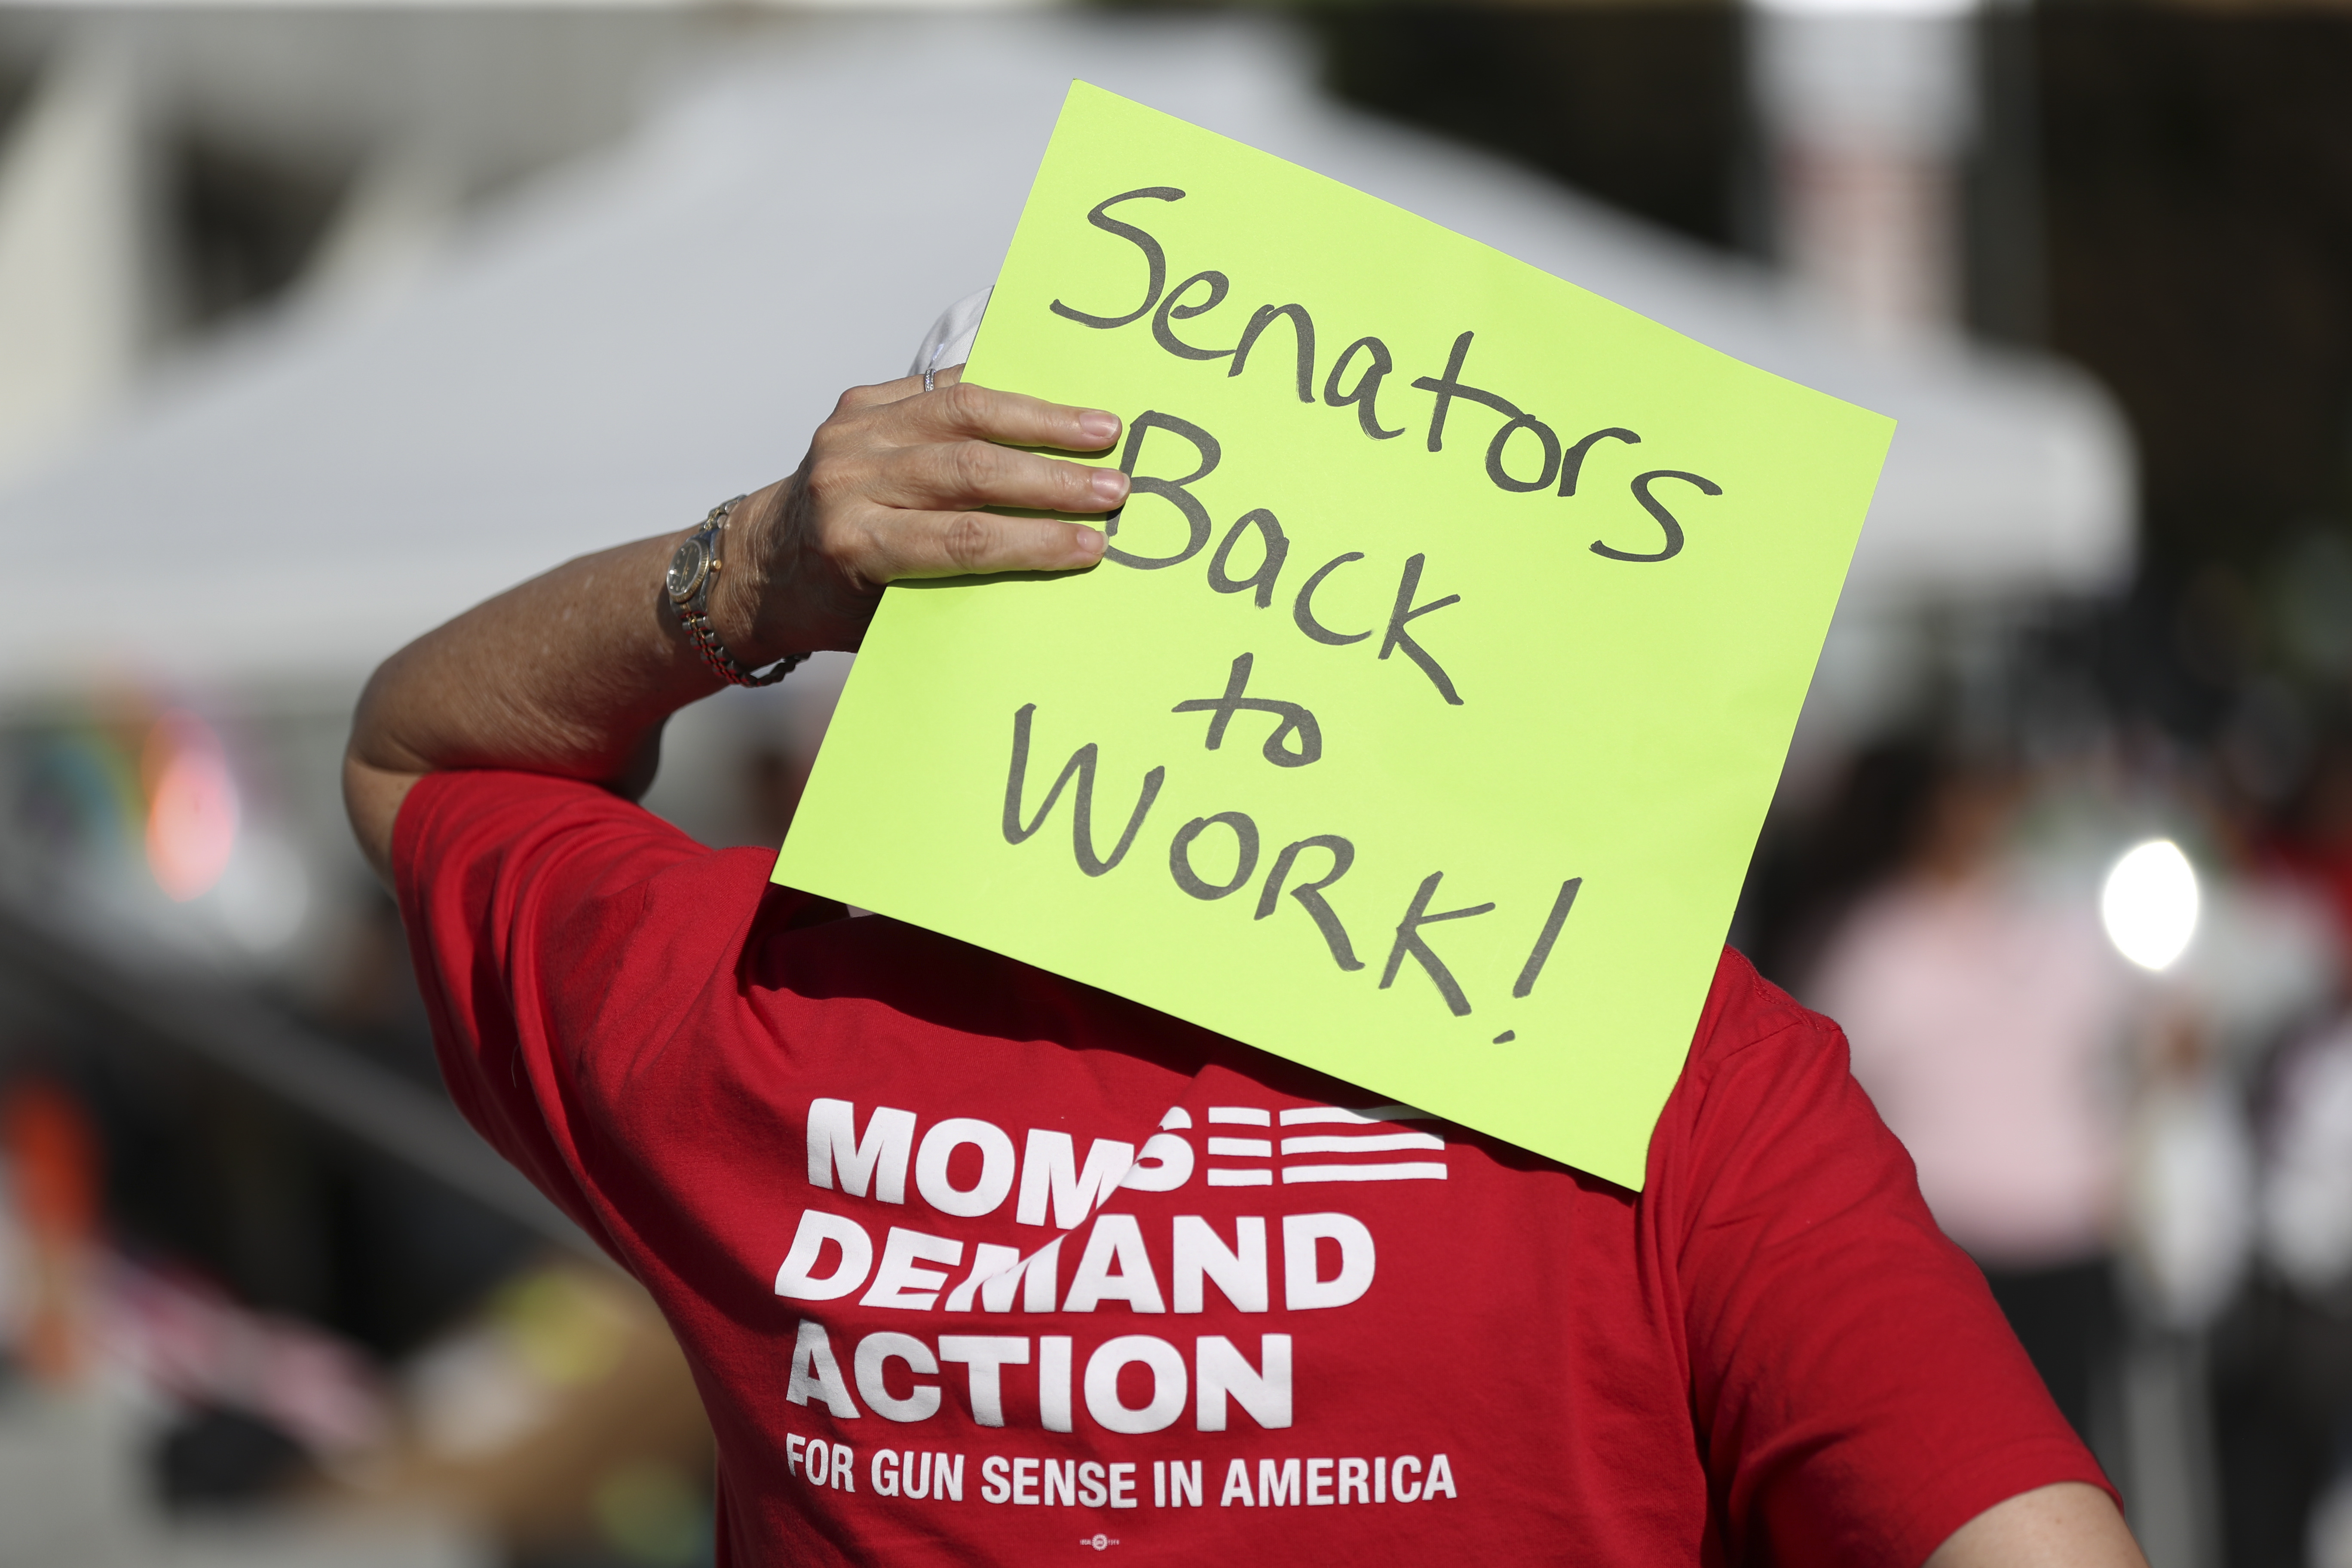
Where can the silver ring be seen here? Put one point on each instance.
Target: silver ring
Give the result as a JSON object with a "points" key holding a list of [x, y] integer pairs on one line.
{"points": [[927, 381]]}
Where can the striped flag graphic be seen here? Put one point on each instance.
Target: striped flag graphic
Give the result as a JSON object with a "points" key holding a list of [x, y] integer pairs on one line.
{"points": [[1344, 1145]]}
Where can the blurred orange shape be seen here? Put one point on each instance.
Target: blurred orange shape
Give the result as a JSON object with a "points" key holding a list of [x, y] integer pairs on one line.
{"points": [[53, 1165]]}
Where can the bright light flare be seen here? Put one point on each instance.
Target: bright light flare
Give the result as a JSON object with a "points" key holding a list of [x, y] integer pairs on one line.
{"points": [[264, 892], [1931, 10], [2149, 903]]}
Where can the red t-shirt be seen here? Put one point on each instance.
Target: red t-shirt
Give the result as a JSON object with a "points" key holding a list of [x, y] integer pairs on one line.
{"points": [[974, 1264]]}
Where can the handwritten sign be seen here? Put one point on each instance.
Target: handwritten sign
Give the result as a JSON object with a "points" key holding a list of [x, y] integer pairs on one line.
{"points": [[1419, 720]]}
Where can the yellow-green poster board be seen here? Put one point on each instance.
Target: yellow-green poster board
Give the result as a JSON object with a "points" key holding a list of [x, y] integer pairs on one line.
{"points": [[1421, 721]]}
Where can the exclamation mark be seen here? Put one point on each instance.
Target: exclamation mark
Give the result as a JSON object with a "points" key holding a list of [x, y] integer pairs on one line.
{"points": [[1560, 905]]}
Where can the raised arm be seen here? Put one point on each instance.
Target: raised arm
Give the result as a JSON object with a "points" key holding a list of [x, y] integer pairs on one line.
{"points": [[575, 671]]}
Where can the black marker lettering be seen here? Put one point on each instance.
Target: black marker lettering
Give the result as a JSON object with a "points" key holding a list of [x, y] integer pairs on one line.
{"points": [[1310, 894], [1302, 328], [1180, 860], [1450, 386], [1408, 941], [1366, 397], [1174, 306], [1277, 549], [1562, 903], [1302, 609], [1081, 764], [1172, 490], [1572, 462], [1656, 509], [1502, 479], [1153, 257], [1403, 611], [1296, 719]]}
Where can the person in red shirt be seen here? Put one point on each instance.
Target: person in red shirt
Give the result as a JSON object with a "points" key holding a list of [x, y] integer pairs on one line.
{"points": [[974, 1264]]}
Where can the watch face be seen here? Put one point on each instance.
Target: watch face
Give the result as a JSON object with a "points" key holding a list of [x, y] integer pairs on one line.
{"points": [[688, 568]]}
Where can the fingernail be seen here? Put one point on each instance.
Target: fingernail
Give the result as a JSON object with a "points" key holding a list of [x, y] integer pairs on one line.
{"points": [[1109, 485], [1100, 427], [1089, 545]]}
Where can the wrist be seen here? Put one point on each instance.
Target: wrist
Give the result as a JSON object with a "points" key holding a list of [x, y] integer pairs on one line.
{"points": [[787, 596], [727, 614], [745, 595]]}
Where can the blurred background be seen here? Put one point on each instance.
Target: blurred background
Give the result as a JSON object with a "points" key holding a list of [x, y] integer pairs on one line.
{"points": [[321, 322]]}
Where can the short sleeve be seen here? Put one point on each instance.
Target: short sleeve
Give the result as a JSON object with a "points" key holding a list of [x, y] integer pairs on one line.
{"points": [[1859, 1396], [557, 932]]}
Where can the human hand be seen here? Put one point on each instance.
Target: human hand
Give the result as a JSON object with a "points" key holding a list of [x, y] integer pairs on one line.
{"points": [[890, 490]]}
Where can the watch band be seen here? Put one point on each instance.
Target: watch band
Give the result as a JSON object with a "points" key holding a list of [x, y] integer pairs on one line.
{"points": [[688, 586]]}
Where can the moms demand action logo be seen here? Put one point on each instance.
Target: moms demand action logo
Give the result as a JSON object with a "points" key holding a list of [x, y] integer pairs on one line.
{"points": [[1315, 1145], [1327, 1260]]}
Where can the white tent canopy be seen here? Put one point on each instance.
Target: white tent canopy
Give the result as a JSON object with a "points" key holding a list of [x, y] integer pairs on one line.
{"points": [[629, 342]]}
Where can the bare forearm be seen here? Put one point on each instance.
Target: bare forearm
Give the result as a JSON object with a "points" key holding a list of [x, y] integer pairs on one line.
{"points": [[564, 674], [570, 673], [574, 672]]}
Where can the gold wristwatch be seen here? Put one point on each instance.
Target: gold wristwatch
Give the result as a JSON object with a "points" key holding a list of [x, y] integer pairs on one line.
{"points": [[691, 571]]}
